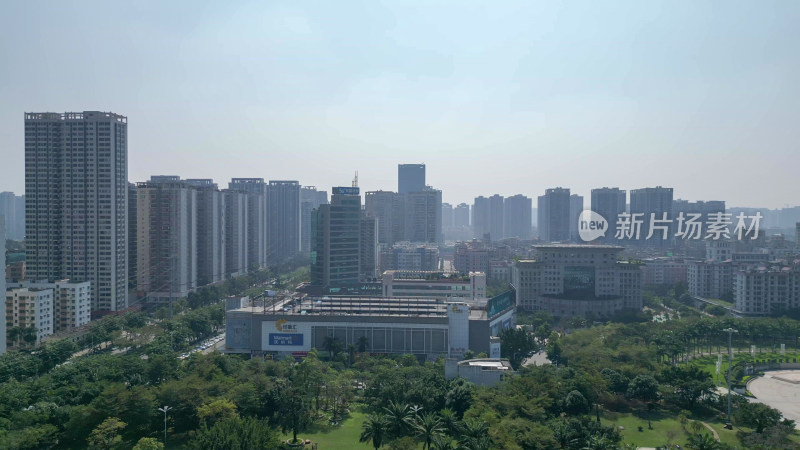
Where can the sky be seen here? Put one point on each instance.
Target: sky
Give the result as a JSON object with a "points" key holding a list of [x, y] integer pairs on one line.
{"points": [[506, 97]]}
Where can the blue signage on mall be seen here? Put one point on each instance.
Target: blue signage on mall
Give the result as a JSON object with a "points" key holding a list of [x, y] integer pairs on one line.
{"points": [[285, 339]]}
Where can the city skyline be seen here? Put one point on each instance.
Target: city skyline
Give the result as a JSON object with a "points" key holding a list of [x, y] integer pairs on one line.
{"points": [[535, 96]]}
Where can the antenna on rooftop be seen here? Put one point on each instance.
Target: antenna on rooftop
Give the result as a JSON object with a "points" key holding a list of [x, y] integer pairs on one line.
{"points": [[355, 180]]}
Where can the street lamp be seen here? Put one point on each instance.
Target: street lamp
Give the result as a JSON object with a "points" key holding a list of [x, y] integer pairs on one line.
{"points": [[730, 332], [164, 410]]}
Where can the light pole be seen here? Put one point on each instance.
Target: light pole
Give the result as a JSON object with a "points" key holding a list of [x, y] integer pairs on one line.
{"points": [[164, 410], [730, 332]]}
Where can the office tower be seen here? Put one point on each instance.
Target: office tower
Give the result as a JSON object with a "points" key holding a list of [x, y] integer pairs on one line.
{"points": [[368, 247], [283, 215], [236, 232], [310, 199], [447, 215], [553, 215], [410, 178], [496, 217], [13, 208], [423, 217], [3, 285], [132, 223], [517, 217], [257, 225], [461, 215], [388, 208], [609, 203], [652, 201], [210, 231], [167, 239], [76, 186], [575, 208], [335, 240], [481, 212]]}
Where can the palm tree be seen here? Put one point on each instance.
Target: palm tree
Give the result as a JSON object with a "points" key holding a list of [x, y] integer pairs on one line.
{"points": [[399, 417], [442, 442], [474, 435], [599, 442], [14, 334], [362, 344], [702, 441], [374, 429], [428, 426], [332, 346]]}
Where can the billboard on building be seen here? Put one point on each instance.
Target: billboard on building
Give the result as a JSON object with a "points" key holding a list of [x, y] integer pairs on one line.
{"points": [[502, 302]]}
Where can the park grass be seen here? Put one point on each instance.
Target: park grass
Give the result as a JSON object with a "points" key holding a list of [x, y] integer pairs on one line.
{"points": [[663, 427], [709, 363], [343, 436]]}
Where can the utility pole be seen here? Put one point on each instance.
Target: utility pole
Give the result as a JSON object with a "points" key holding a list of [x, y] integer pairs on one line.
{"points": [[730, 332], [164, 410]]}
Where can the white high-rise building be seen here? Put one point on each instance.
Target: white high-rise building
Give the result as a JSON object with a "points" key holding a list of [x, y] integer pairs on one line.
{"points": [[76, 188]]}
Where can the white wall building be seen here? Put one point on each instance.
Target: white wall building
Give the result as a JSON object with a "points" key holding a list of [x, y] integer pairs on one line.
{"points": [[766, 289], [27, 308], [710, 279], [440, 285], [72, 302]]}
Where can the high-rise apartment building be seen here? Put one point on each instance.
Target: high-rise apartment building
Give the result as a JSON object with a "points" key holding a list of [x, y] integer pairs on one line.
{"points": [[554, 214], [496, 214], [236, 232], [575, 208], [447, 216], [652, 203], [210, 231], [13, 208], [310, 199], [609, 203], [257, 225], [167, 239], [283, 215], [388, 208], [368, 247], [481, 213], [410, 178], [461, 215], [423, 216], [76, 193], [132, 246], [517, 221], [3, 284]]}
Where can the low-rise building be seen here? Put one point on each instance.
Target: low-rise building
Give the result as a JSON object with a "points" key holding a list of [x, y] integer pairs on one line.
{"points": [[710, 279], [425, 327], [410, 256], [30, 307], [766, 289], [441, 285], [481, 371], [664, 271], [72, 302], [577, 280]]}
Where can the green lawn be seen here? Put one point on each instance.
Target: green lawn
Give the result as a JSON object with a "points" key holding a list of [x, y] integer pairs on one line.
{"points": [[664, 427], [343, 436]]}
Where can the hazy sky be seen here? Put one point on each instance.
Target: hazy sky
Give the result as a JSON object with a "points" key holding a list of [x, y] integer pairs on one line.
{"points": [[495, 97]]}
